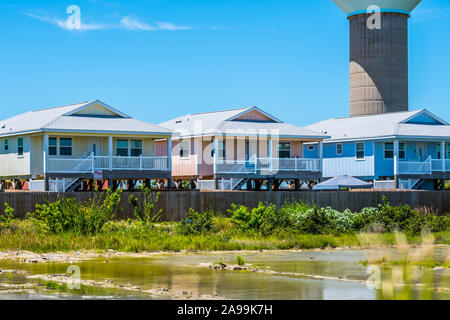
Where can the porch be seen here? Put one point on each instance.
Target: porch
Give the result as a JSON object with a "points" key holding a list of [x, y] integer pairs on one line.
{"points": [[430, 167], [91, 163], [267, 166]]}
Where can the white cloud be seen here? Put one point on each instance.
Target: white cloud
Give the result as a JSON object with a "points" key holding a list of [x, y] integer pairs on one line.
{"points": [[134, 24], [63, 24], [127, 23], [171, 26]]}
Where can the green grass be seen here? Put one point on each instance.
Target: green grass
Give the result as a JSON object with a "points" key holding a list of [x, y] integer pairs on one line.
{"points": [[131, 237]]}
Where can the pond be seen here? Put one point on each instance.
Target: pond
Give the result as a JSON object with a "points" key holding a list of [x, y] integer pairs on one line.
{"points": [[293, 275]]}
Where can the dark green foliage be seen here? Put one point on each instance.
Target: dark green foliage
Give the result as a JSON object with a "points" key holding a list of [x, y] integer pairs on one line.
{"points": [[196, 223], [264, 219], [147, 214], [307, 219], [7, 218], [69, 215]]}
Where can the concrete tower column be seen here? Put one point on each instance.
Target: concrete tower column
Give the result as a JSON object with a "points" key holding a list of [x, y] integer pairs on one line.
{"points": [[378, 54], [378, 65]]}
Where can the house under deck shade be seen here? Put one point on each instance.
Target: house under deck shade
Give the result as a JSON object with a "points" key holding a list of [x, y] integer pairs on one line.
{"points": [[342, 182]]}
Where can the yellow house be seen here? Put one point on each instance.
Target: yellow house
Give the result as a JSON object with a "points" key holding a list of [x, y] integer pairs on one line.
{"points": [[67, 148], [241, 148]]}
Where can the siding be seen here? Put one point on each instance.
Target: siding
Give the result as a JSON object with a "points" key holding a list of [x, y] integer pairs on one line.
{"points": [[184, 167], [11, 164], [346, 164], [37, 155]]}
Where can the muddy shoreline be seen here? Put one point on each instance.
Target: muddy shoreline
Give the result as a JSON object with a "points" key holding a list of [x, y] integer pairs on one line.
{"points": [[76, 256]]}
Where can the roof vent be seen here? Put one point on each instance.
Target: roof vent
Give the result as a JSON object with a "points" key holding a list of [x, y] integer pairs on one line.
{"points": [[3, 126], [179, 121]]}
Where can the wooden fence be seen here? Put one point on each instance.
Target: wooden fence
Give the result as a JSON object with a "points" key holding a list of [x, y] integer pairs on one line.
{"points": [[175, 204]]}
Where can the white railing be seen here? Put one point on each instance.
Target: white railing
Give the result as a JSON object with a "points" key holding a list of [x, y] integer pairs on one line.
{"points": [[273, 165], [37, 185], [56, 185], [436, 165], [407, 184], [384, 185], [63, 165], [140, 163], [206, 184], [236, 166], [421, 168]]}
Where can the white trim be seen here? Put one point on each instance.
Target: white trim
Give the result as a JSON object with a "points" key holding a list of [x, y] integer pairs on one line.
{"points": [[384, 150], [342, 149], [356, 151]]}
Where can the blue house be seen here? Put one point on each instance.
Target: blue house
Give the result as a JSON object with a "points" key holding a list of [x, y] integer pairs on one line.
{"points": [[407, 150]]}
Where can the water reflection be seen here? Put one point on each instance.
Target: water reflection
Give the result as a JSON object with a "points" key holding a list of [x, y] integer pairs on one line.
{"points": [[304, 275]]}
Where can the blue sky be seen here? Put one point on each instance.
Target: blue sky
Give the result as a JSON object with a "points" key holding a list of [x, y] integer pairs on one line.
{"points": [[158, 59]]}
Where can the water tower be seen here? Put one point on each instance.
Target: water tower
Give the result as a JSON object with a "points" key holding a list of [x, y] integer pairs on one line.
{"points": [[378, 54]]}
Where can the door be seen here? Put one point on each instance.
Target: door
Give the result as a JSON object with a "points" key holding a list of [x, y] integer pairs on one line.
{"points": [[250, 149], [421, 151], [95, 146]]}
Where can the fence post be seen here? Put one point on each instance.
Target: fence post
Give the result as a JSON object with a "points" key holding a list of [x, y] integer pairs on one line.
{"points": [[93, 162]]}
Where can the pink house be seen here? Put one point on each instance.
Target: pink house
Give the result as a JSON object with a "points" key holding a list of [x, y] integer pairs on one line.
{"points": [[242, 148]]}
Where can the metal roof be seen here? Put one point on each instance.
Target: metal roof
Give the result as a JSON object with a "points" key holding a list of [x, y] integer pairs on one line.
{"points": [[65, 119], [383, 125], [227, 123]]}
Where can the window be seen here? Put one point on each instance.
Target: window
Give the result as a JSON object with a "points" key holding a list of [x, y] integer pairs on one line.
{"points": [[448, 151], [360, 152], [311, 148], [6, 145], [53, 146], [222, 150], [402, 150], [65, 147], [339, 149], [184, 148], [20, 146], [122, 148], [284, 150], [136, 148], [438, 151], [389, 150]]}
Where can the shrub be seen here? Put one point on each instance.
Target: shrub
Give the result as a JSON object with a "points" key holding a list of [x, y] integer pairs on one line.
{"points": [[264, 219], [68, 214], [147, 214], [6, 219], [240, 261], [196, 223]]}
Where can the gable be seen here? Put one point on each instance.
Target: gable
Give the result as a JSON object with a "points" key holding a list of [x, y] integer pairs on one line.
{"points": [[97, 108], [425, 118], [254, 114]]}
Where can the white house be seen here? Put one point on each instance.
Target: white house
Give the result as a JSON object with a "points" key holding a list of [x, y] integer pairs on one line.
{"points": [[66, 148]]}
